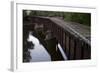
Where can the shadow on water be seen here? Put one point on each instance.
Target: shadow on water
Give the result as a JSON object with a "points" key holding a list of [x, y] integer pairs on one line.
{"points": [[45, 38], [51, 45]]}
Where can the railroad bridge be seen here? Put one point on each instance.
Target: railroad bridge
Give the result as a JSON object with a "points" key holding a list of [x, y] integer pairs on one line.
{"points": [[74, 38]]}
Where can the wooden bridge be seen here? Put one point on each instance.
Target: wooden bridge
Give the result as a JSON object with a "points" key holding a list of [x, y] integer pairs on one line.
{"points": [[73, 37]]}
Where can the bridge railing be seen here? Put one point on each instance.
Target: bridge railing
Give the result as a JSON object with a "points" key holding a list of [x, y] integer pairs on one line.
{"points": [[74, 45]]}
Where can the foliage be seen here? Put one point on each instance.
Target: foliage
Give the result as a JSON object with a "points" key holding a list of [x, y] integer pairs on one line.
{"points": [[83, 18]]}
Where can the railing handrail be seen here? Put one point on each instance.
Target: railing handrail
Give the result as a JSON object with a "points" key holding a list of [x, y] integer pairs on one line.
{"points": [[75, 33]]}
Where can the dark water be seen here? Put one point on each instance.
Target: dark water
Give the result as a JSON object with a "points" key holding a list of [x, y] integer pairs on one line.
{"points": [[38, 53]]}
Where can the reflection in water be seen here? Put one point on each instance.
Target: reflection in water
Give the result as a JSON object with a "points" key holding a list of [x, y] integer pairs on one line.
{"points": [[38, 53], [37, 49]]}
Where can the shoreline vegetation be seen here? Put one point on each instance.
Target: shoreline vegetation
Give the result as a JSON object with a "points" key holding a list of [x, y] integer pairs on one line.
{"points": [[82, 18]]}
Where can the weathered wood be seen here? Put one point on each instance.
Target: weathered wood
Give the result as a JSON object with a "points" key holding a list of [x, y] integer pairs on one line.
{"points": [[72, 48], [86, 51], [73, 38], [78, 49]]}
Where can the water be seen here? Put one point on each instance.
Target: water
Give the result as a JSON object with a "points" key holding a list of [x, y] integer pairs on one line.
{"points": [[38, 53]]}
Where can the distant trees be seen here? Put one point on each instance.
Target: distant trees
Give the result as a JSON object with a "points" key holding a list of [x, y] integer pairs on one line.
{"points": [[83, 18]]}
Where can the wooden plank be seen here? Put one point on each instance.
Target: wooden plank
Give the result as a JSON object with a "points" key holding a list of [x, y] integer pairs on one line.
{"points": [[78, 50], [71, 49], [67, 45], [86, 51]]}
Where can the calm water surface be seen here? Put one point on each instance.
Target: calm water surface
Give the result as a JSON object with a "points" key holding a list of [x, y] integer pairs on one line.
{"points": [[38, 53]]}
